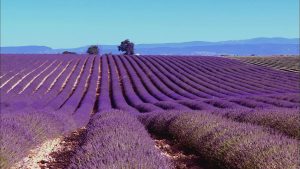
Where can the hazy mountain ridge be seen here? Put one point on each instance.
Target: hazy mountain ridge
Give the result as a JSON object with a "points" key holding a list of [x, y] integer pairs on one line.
{"points": [[256, 46]]}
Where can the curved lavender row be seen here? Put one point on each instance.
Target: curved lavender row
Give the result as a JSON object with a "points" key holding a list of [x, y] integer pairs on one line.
{"points": [[36, 81], [50, 78], [230, 144], [262, 70], [281, 119], [9, 62], [250, 103], [32, 83], [117, 139], [157, 81], [41, 91], [270, 79], [21, 131], [267, 82], [63, 95], [18, 76], [71, 104], [87, 103], [8, 92], [117, 94], [203, 88], [197, 105], [72, 98], [283, 63], [207, 81], [171, 105], [220, 77], [137, 83], [31, 100], [13, 96], [238, 76], [7, 81], [55, 86], [14, 68], [183, 82], [223, 104], [146, 81], [26, 79], [274, 101], [259, 71], [270, 75], [289, 76], [126, 84], [166, 102], [131, 95], [231, 74], [170, 81], [25, 97], [105, 102], [243, 102], [38, 85], [288, 97], [147, 95]]}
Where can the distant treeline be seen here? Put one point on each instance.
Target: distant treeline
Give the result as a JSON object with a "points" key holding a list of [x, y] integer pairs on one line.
{"points": [[126, 46]]}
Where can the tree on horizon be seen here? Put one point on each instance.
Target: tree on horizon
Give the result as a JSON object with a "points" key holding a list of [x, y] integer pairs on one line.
{"points": [[127, 47], [93, 50]]}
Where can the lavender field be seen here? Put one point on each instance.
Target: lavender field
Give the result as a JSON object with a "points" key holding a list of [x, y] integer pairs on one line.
{"points": [[113, 111], [286, 63]]}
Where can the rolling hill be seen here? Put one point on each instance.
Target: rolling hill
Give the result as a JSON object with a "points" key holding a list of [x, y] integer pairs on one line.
{"points": [[256, 46]]}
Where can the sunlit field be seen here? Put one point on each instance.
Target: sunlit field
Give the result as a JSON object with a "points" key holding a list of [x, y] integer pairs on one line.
{"points": [[117, 111], [286, 63]]}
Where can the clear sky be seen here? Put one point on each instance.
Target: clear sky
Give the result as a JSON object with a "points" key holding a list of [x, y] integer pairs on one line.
{"points": [[74, 23]]}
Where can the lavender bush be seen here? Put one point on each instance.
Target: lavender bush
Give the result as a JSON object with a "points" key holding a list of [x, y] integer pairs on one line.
{"points": [[238, 115], [230, 144], [117, 139], [21, 131]]}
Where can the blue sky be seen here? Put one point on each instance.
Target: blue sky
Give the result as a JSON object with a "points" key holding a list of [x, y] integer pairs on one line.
{"points": [[74, 23]]}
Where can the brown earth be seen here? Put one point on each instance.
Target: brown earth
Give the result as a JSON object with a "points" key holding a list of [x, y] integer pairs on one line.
{"points": [[181, 157]]}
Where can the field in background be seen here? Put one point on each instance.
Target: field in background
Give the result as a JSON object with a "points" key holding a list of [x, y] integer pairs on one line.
{"points": [[224, 111], [287, 63]]}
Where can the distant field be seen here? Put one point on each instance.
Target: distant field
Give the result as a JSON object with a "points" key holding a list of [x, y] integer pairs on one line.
{"points": [[287, 63], [151, 112]]}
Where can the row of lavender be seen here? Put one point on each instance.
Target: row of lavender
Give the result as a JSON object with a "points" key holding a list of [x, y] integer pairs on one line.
{"points": [[27, 81], [227, 143], [73, 88], [146, 84], [22, 131], [116, 139], [287, 63], [230, 138], [84, 85]]}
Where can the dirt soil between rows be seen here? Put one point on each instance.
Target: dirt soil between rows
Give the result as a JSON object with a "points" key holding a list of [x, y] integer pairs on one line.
{"points": [[61, 159], [181, 157]]}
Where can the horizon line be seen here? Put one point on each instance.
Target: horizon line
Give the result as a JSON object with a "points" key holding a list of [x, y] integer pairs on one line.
{"points": [[177, 42]]}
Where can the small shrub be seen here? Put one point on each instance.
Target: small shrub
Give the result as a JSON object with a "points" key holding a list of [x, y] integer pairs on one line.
{"points": [[67, 52], [93, 50]]}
